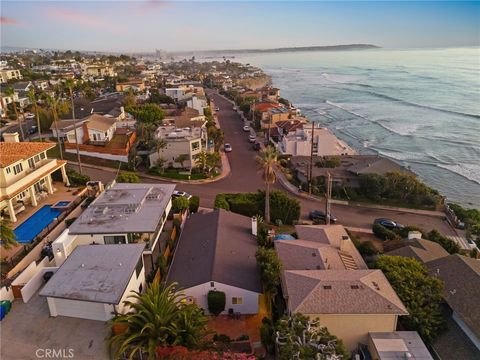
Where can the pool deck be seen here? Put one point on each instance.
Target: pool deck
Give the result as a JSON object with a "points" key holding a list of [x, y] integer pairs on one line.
{"points": [[62, 193]]}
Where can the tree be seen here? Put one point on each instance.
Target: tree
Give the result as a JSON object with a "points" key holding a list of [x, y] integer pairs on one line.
{"points": [[267, 161], [214, 161], [7, 236], [9, 91], [298, 337], [32, 96], [128, 177], [216, 135], [201, 160], [159, 317], [179, 204], [69, 86], [270, 267], [448, 244], [193, 204], [420, 293], [53, 103], [147, 113]]}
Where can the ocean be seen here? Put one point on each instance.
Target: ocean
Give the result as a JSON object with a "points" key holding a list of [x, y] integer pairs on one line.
{"points": [[418, 107]]}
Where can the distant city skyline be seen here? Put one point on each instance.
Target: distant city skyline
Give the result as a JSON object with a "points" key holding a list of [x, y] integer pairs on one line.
{"points": [[140, 26]]}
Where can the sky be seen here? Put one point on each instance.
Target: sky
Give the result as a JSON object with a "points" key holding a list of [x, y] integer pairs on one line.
{"points": [[133, 26]]}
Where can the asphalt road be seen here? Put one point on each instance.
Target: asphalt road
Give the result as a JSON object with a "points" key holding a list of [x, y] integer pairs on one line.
{"points": [[26, 124], [245, 177]]}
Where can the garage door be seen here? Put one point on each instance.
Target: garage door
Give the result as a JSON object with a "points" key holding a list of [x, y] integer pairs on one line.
{"points": [[81, 309]]}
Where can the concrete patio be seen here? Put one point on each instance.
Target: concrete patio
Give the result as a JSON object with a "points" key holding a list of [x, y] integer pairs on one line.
{"points": [[28, 330]]}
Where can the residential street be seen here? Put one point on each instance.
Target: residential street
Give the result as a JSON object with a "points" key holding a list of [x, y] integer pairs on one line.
{"points": [[245, 177]]}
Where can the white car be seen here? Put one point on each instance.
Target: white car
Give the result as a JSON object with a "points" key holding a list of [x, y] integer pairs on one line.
{"points": [[227, 147], [217, 109], [252, 138], [246, 128], [177, 193], [29, 116]]}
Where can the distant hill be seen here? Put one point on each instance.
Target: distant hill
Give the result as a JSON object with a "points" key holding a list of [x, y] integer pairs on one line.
{"points": [[285, 49]]}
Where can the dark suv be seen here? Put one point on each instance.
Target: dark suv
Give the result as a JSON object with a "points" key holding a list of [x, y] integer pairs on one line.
{"points": [[389, 224], [317, 215]]}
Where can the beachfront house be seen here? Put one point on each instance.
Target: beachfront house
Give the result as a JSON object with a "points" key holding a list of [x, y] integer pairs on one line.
{"points": [[25, 174], [95, 280], [216, 252], [325, 277]]}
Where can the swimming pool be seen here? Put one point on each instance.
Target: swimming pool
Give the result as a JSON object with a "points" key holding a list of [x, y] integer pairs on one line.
{"points": [[34, 225]]}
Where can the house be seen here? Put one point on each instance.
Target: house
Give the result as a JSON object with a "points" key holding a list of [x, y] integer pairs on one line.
{"points": [[95, 280], [61, 127], [325, 277], [22, 86], [187, 117], [95, 129], [133, 84], [397, 345], [461, 278], [98, 71], [420, 249], [325, 143], [273, 115], [181, 143], [9, 74], [124, 213], [216, 251], [26, 174], [197, 102], [110, 105]]}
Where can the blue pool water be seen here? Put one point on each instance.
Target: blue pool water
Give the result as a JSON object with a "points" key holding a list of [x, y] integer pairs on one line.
{"points": [[62, 204], [34, 225]]}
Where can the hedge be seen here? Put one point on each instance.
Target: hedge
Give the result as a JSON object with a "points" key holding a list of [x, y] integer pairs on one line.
{"points": [[216, 302], [282, 207], [194, 204], [383, 233]]}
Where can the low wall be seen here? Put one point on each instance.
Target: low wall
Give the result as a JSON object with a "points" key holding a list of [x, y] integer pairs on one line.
{"points": [[6, 294], [30, 272], [101, 155], [35, 283]]}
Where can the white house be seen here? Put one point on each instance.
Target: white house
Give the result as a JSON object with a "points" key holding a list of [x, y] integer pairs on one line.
{"points": [[95, 129], [216, 252], [25, 174], [198, 103], [95, 280], [122, 214]]}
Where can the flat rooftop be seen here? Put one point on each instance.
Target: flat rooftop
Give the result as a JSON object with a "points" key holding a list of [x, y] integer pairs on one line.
{"points": [[125, 208], [98, 273], [396, 345]]}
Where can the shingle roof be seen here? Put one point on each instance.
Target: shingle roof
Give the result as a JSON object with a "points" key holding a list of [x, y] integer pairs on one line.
{"points": [[100, 122], [216, 246], [11, 152], [340, 292], [461, 276], [421, 249]]}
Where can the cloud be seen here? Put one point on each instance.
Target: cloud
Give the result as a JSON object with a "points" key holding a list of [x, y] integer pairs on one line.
{"points": [[82, 19], [8, 21]]}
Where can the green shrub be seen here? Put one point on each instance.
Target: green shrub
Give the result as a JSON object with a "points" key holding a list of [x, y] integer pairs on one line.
{"points": [[222, 338], [283, 207], [216, 302], [194, 204], [267, 335], [448, 244], [221, 202], [128, 177], [367, 248], [403, 232], [179, 204], [74, 177], [242, 337], [69, 222], [383, 233]]}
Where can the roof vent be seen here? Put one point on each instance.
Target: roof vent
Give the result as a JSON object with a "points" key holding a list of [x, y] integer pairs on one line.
{"points": [[313, 254], [344, 237], [354, 287], [453, 292], [327, 287]]}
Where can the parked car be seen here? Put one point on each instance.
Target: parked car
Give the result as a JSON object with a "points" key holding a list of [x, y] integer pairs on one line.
{"points": [[177, 193], [227, 147], [389, 224], [217, 109], [32, 130], [252, 138], [29, 116], [257, 146], [246, 128], [318, 215]]}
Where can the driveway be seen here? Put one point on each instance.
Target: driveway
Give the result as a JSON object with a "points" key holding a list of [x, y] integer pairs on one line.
{"points": [[28, 332]]}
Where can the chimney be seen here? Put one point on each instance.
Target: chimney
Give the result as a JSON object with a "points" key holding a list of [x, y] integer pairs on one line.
{"points": [[344, 244], [11, 137], [254, 226]]}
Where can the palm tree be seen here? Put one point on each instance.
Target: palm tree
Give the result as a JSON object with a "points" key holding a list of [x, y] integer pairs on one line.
{"points": [[181, 159], [159, 317], [7, 235], [53, 103], [69, 85], [32, 96], [213, 161], [267, 160], [9, 91], [201, 160]]}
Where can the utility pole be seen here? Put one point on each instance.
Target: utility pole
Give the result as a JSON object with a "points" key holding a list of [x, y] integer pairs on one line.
{"points": [[310, 172], [328, 197]]}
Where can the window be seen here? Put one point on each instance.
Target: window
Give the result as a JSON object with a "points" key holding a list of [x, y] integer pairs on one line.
{"points": [[114, 240], [195, 145], [17, 169], [31, 163], [42, 155], [237, 300], [212, 284], [139, 267], [37, 158], [8, 170]]}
